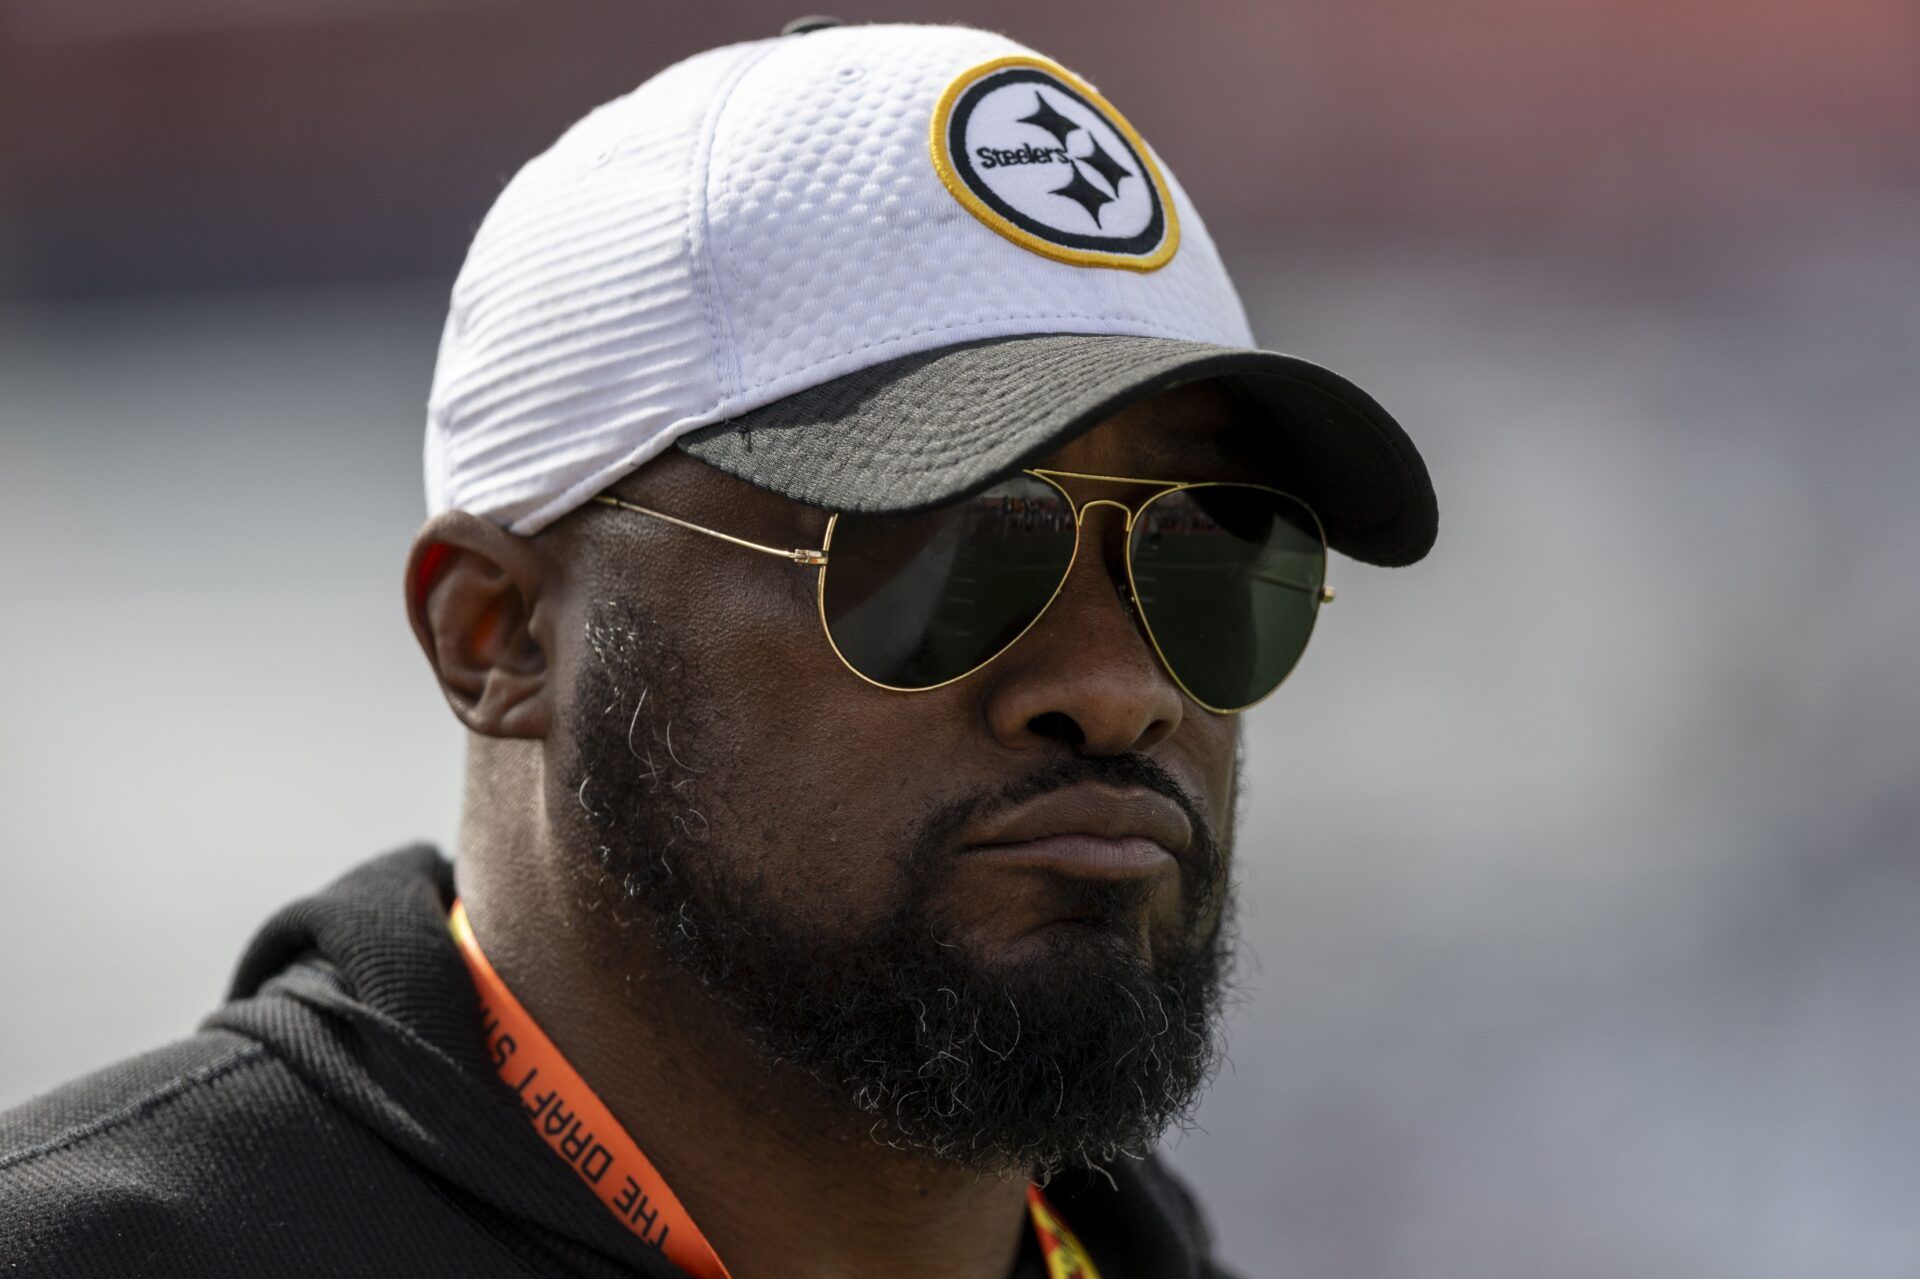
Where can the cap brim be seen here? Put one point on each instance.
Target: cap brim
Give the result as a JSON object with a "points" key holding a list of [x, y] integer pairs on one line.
{"points": [[927, 428]]}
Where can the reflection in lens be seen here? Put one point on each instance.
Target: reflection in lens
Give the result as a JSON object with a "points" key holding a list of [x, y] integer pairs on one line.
{"points": [[916, 600], [1228, 578]]}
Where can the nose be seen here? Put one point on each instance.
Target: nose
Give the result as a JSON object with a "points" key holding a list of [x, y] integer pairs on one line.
{"points": [[1085, 676]]}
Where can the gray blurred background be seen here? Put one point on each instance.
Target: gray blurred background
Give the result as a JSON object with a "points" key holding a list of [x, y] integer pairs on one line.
{"points": [[1581, 896]]}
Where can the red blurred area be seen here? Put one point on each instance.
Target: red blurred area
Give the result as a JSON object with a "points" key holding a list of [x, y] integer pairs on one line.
{"points": [[165, 144]]}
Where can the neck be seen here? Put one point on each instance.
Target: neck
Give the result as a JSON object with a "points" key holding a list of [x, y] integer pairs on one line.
{"points": [[782, 1178]]}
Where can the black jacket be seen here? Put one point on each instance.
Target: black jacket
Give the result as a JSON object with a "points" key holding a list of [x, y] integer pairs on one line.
{"points": [[337, 1117]]}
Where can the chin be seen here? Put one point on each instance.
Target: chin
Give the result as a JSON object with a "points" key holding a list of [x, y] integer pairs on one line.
{"points": [[1055, 947]]}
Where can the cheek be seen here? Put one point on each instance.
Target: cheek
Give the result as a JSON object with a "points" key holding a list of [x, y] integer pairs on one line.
{"points": [[814, 777], [1216, 753]]}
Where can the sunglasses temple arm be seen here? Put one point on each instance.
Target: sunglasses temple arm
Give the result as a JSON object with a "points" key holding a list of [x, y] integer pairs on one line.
{"points": [[797, 555]]}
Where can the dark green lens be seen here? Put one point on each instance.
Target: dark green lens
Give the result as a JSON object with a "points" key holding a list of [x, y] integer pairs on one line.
{"points": [[916, 600], [1228, 577]]}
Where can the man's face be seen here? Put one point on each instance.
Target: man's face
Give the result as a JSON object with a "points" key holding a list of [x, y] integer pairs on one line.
{"points": [[987, 914]]}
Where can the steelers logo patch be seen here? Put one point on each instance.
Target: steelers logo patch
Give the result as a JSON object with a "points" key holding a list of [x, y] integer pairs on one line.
{"points": [[1035, 153]]}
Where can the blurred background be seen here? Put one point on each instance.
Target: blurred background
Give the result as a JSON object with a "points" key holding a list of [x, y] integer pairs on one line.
{"points": [[1581, 891]]}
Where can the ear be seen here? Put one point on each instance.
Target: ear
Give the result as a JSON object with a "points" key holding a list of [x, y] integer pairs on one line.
{"points": [[474, 596]]}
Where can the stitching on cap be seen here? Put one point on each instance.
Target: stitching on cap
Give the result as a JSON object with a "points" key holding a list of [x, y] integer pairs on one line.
{"points": [[719, 331]]}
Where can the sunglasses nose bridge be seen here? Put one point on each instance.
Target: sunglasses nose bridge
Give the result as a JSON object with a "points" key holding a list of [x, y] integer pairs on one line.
{"points": [[1120, 576], [1126, 512], [1080, 526]]}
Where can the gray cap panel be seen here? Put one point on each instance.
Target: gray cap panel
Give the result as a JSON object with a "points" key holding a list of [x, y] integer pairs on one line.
{"points": [[926, 428]]}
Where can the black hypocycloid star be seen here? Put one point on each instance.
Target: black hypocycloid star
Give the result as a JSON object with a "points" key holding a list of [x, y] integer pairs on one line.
{"points": [[1086, 194], [1105, 165], [1049, 119]]}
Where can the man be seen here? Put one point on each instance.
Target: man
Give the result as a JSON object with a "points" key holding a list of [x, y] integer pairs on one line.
{"points": [[858, 515]]}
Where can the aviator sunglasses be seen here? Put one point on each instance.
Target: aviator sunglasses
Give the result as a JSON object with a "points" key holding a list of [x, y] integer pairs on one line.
{"points": [[1224, 579]]}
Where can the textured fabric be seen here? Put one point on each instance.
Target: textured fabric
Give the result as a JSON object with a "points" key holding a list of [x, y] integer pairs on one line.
{"points": [[752, 223], [337, 1117], [578, 331], [926, 428]]}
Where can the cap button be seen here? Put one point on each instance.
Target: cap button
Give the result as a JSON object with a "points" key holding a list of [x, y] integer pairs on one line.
{"points": [[812, 22]]}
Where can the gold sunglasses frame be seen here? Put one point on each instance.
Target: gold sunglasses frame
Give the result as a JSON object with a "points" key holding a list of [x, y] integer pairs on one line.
{"points": [[1162, 488]]}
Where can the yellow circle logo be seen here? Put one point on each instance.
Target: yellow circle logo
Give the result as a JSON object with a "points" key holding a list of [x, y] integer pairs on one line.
{"points": [[1037, 154]]}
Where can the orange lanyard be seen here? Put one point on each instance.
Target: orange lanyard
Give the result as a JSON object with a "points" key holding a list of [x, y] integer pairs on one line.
{"points": [[1066, 1259], [576, 1124], [578, 1127]]}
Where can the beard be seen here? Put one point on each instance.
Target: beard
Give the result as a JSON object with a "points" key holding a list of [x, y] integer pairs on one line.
{"points": [[1084, 1051]]}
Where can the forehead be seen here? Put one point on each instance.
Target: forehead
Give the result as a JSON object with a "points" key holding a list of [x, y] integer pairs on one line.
{"points": [[1199, 431]]}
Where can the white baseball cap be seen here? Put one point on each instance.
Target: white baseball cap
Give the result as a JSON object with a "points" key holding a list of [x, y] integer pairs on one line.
{"points": [[871, 268]]}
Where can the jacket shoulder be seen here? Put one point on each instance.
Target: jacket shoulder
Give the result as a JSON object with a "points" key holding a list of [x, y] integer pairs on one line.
{"points": [[116, 1097], [213, 1157], [121, 1155]]}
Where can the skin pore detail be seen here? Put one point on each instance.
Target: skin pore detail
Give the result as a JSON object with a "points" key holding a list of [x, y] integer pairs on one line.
{"points": [[750, 895]]}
